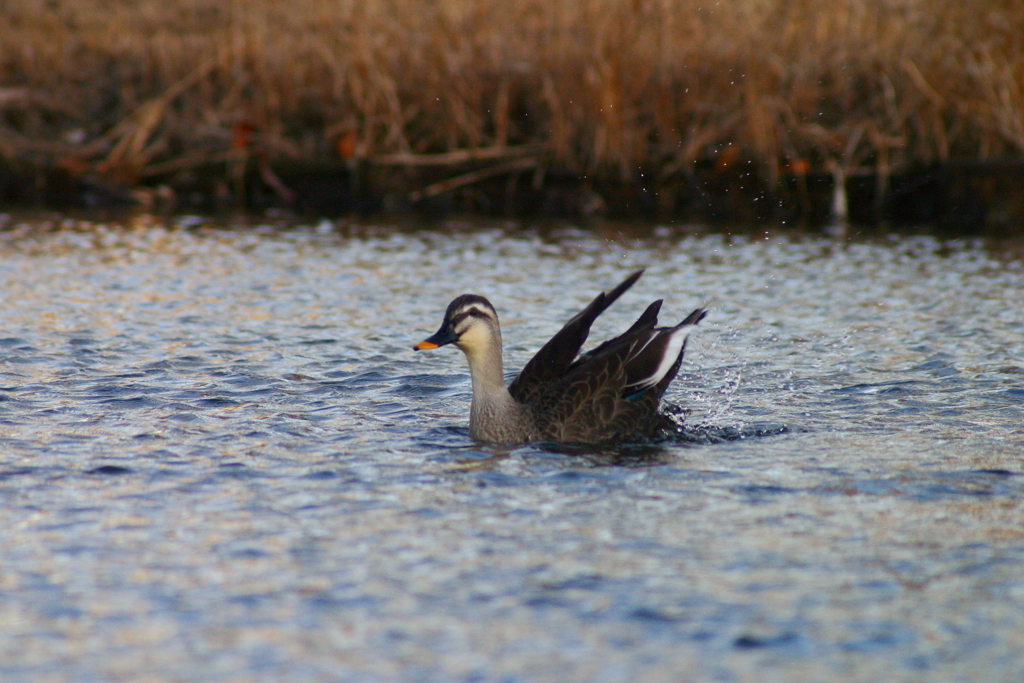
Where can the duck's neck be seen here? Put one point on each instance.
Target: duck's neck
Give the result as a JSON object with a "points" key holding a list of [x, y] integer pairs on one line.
{"points": [[494, 414], [487, 373]]}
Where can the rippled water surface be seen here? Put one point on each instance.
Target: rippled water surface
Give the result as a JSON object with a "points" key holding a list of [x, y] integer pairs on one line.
{"points": [[221, 460]]}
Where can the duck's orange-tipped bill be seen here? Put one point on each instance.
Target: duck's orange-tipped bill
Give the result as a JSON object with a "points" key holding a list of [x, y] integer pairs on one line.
{"points": [[440, 338]]}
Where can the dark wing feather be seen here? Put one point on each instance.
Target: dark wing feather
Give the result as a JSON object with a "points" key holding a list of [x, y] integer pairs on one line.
{"points": [[589, 408], [647, 320], [645, 358], [607, 394], [695, 317], [692, 319], [555, 358]]}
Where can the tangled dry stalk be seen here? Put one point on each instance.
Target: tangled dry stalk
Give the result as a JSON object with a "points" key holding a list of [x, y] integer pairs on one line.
{"points": [[135, 87]]}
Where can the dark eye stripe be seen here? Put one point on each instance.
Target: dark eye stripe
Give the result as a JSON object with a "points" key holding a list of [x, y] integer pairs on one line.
{"points": [[469, 313]]}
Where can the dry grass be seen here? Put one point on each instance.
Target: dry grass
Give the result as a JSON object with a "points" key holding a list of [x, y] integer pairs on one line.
{"points": [[604, 86]]}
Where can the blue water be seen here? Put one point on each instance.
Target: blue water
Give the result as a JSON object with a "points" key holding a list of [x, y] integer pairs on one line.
{"points": [[220, 460]]}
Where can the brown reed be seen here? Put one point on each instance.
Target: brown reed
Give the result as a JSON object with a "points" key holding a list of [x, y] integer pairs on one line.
{"points": [[602, 86]]}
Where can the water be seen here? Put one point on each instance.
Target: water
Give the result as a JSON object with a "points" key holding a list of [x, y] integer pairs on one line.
{"points": [[221, 460]]}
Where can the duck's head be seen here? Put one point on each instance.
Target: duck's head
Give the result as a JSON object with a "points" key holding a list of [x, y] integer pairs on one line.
{"points": [[470, 323]]}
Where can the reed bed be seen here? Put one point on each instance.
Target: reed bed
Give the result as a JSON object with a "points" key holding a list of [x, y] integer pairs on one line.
{"points": [[135, 88]]}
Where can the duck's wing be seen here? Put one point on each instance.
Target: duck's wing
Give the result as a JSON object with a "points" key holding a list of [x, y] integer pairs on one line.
{"points": [[650, 356], [589, 408], [653, 359], [554, 359], [613, 391], [647, 320]]}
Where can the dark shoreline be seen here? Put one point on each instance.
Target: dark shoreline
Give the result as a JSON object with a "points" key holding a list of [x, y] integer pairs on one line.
{"points": [[967, 197]]}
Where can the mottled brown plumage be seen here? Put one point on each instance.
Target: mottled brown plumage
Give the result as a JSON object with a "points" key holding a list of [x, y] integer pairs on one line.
{"points": [[610, 393]]}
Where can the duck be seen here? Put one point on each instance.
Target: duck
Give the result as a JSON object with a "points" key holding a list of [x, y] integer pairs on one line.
{"points": [[610, 393]]}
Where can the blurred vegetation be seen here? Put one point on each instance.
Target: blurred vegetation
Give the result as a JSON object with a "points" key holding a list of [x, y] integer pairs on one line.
{"points": [[133, 88]]}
